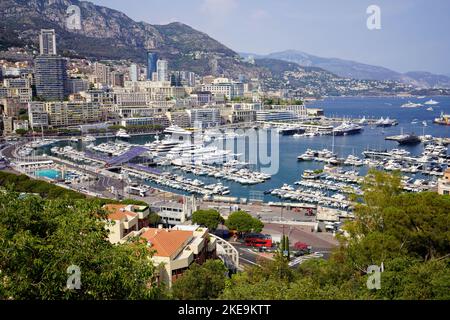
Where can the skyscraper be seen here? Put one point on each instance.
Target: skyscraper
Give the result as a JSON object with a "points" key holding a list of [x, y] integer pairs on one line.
{"points": [[47, 42], [152, 59], [134, 72], [51, 76], [162, 69]]}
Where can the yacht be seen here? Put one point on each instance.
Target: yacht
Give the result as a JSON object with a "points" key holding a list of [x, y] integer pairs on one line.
{"points": [[88, 139], [386, 122], [411, 105], [162, 147], [362, 121], [443, 119], [122, 134], [353, 161], [430, 109], [431, 102], [310, 174], [309, 155], [347, 128], [408, 139]]}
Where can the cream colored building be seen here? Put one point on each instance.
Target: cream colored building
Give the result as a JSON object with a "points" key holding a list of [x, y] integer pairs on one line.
{"points": [[174, 250], [64, 113], [124, 219], [444, 183]]}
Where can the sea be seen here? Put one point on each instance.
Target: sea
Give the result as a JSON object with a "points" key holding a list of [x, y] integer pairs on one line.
{"points": [[290, 169]]}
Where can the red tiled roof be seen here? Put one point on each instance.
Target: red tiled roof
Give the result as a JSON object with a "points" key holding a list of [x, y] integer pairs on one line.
{"points": [[118, 212], [166, 242]]}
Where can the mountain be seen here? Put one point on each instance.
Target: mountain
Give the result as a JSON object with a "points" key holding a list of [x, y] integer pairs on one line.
{"points": [[356, 70], [110, 34]]}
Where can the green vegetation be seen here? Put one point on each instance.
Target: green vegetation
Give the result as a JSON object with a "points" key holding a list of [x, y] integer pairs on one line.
{"points": [[116, 127], [22, 183], [42, 238], [283, 102], [208, 218], [284, 247], [21, 132], [407, 233], [201, 282], [243, 222]]}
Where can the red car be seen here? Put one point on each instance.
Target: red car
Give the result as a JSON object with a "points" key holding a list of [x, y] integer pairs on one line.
{"points": [[258, 240]]}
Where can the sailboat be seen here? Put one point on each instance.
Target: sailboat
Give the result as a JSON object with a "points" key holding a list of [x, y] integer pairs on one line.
{"points": [[424, 123]]}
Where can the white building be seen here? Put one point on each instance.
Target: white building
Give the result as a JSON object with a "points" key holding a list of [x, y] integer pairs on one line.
{"points": [[226, 88], [134, 72], [174, 213], [204, 117], [37, 115], [162, 70]]}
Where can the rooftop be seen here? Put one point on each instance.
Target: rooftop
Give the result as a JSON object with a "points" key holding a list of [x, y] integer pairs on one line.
{"points": [[119, 212], [167, 242]]}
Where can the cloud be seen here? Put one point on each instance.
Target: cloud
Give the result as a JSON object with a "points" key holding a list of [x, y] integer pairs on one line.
{"points": [[218, 8]]}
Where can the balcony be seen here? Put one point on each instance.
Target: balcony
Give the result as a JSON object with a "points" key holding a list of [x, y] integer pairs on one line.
{"points": [[183, 260], [130, 223]]}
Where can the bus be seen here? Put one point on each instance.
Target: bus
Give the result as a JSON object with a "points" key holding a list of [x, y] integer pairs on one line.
{"points": [[258, 240]]}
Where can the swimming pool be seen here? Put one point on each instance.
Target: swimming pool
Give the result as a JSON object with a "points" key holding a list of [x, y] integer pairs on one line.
{"points": [[49, 173]]}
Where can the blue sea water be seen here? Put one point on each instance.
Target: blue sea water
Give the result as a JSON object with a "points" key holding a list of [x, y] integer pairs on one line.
{"points": [[290, 148]]}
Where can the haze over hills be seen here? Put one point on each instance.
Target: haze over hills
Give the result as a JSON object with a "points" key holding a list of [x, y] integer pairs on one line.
{"points": [[357, 70]]}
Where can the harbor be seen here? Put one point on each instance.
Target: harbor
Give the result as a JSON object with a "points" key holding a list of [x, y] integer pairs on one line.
{"points": [[317, 164]]}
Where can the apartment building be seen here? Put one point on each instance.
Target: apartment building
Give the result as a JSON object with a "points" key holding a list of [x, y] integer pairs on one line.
{"points": [[444, 183], [174, 213], [174, 250], [276, 115], [17, 88], [179, 118], [51, 77], [224, 87], [204, 117], [125, 219], [8, 127], [37, 115], [64, 113], [12, 106], [157, 120]]}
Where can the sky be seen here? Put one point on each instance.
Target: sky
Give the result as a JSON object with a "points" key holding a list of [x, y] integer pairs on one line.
{"points": [[414, 34]]}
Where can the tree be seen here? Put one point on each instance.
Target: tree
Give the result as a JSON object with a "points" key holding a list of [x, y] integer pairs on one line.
{"points": [[42, 238], [407, 233], [201, 282], [243, 222], [154, 219], [208, 218], [21, 132]]}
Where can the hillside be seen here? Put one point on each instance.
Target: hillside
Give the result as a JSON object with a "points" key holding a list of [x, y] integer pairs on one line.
{"points": [[356, 70], [110, 34]]}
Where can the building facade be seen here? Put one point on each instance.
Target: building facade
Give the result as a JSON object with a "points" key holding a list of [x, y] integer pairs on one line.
{"points": [[51, 77], [152, 58], [47, 42]]}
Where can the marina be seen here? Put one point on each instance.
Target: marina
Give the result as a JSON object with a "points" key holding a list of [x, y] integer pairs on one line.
{"points": [[202, 167]]}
